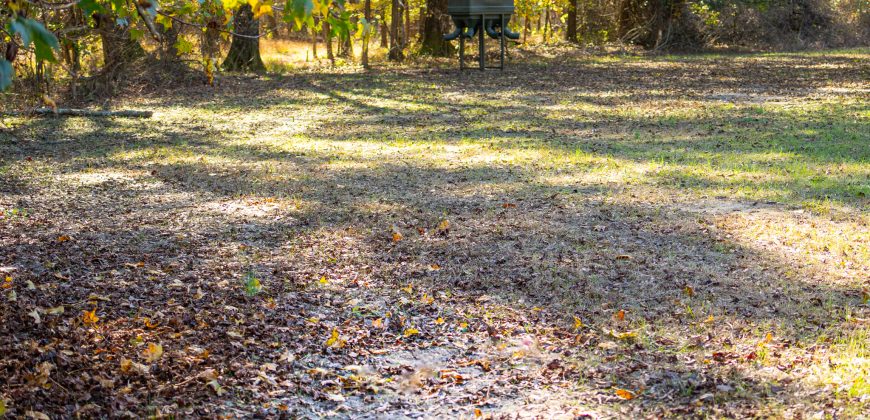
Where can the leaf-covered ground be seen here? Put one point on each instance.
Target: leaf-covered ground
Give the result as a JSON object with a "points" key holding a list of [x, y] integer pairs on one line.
{"points": [[585, 236]]}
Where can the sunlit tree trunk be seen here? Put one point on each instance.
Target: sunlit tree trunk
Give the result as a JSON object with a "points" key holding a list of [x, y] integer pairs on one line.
{"points": [[367, 14], [244, 54], [385, 42]]}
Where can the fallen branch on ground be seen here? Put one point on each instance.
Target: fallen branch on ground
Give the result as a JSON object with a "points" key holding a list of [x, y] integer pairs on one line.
{"points": [[87, 113]]}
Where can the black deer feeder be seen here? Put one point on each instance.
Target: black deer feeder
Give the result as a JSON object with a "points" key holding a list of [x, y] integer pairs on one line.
{"points": [[476, 17]]}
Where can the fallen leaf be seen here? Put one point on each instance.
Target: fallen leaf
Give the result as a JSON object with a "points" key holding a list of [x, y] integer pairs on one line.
{"points": [[620, 315], [35, 315], [63, 238], [218, 389], [37, 415], [439, 321], [577, 323], [153, 352], [7, 283], [410, 332], [623, 257], [335, 340], [126, 365], [444, 225], [477, 412], [689, 291], [624, 394], [90, 317], [378, 323], [148, 324], [426, 299], [57, 310], [323, 280]]}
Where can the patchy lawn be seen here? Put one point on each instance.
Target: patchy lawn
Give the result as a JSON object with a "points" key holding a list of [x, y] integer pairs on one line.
{"points": [[598, 235]]}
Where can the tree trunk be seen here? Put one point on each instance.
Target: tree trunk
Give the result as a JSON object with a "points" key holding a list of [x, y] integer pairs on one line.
{"points": [[571, 23], [546, 25], [345, 49], [406, 36], [367, 14], [313, 43], [327, 39], [385, 42], [244, 54], [434, 21], [395, 20], [118, 49]]}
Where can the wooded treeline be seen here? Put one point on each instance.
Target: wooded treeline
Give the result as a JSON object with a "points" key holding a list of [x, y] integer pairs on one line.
{"points": [[91, 43]]}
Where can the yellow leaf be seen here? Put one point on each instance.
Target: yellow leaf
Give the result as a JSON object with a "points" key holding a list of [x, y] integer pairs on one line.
{"points": [[264, 9], [434, 267], [126, 365], [463, 325], [153, 352], [2, 407], [624, 394], [439, 321], [409, 289], [426, 299], [148, 324], [577, 323], [689, 291], [313, 320], [767, 338], [624, 335], [7, 283], [410, 331], [397, 236], [90, 317], [444, 225], [378, 323], [333, 338], [323, 280], [477, 412]]}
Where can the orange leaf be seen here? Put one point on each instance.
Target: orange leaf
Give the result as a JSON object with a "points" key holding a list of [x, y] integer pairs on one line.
{"points": [[90, 317], [63, 238], [625, 394], [620, 315]]}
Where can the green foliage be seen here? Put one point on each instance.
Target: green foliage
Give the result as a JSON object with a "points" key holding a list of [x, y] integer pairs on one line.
{"points": [[33, 32], [6, 71], [252, 284]]}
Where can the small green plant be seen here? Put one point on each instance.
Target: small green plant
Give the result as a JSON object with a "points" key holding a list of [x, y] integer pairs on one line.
{"points": [[252, 284], [15, 213]]}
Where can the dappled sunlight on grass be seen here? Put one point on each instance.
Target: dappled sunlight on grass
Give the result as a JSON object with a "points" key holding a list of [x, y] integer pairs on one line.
{"points": [[732, 230]]}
